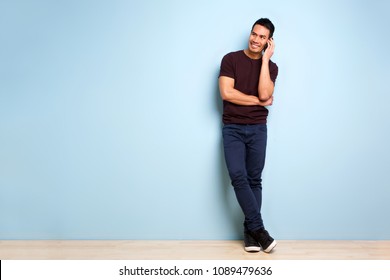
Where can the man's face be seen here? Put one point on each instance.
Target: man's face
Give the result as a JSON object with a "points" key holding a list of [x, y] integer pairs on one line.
{"points": [[258, 38]]}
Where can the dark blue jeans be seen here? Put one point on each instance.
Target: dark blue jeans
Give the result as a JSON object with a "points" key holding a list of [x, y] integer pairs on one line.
{"points": [[244, 147]]}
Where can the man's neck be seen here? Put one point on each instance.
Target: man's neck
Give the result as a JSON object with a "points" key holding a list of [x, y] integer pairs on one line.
{"points": [[253, 55]]}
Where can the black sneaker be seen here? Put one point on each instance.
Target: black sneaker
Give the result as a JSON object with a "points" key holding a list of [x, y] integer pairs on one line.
{"points": [[251, 245], [265, 240]]}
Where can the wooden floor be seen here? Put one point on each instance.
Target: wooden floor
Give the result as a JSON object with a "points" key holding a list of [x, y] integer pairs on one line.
{"points": [[191, 250]]}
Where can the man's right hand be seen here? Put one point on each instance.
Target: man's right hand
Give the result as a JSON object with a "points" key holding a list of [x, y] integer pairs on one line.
{"points": [[267, 102]]}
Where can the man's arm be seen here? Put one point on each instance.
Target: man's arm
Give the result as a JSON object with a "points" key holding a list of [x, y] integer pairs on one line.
{"points": [[266, 85], [229, 93]]}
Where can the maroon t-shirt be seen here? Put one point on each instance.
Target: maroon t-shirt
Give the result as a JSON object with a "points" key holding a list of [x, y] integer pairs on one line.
{"points": [[245, 72]]}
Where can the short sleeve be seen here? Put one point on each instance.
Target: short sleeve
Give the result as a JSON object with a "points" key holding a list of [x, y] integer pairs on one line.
{"points": [[273, 71], [227, 67]]}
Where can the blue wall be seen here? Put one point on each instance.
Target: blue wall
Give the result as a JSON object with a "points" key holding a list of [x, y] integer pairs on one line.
{"points": [[110, 119]]}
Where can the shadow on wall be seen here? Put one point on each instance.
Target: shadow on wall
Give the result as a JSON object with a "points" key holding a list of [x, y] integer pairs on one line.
{"points": [[231, 209]]}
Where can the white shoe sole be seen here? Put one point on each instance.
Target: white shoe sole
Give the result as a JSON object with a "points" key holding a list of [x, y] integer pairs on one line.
{"points": [[252, 249], [270, 247]]}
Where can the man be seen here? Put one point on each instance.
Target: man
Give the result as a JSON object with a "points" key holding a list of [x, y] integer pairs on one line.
{"points": [[246, 83]]}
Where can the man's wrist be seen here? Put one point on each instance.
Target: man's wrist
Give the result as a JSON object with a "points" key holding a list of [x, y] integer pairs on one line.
{"points": [[265, 59], [258, 101]]}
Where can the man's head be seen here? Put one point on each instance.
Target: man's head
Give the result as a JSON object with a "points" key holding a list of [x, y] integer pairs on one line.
{"points": [[262, 30], [267, 24]]}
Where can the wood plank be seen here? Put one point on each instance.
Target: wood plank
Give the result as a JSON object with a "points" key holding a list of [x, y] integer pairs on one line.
{"points": [[190, 250]]}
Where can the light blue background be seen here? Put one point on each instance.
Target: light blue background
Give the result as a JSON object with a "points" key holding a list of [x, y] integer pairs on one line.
{"points": [[110, 119]]}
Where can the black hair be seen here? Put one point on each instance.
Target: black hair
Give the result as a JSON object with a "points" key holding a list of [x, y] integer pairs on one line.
{"points": [[267, 24]]}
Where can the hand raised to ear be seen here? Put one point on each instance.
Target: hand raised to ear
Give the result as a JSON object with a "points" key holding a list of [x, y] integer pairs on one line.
{"points": [[269, 51]]}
